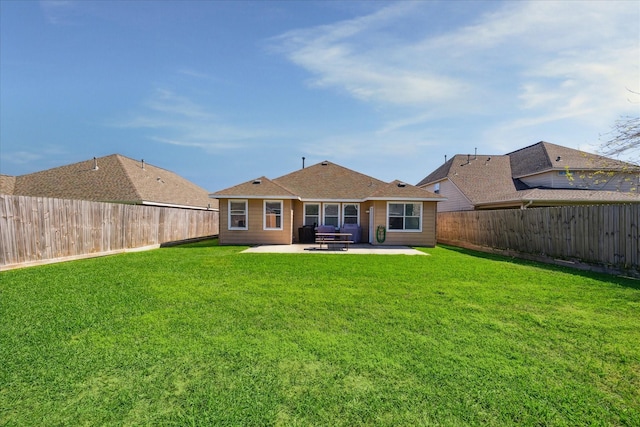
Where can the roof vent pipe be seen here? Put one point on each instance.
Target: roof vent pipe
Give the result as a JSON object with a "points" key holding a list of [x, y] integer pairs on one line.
{"points": [[445, 158], [475, 154], [302, 162], [95, 164], [142, 164]]}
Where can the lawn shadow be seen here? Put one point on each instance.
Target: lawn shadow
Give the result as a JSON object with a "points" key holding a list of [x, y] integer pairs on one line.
{"points": [[581, 270], [199, 242]]}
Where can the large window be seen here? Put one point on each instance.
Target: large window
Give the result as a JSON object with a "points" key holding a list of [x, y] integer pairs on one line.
{"points": [[312, 214], [405, 216], [273, 214], [350, 213], [238, 215], [332, 214]]}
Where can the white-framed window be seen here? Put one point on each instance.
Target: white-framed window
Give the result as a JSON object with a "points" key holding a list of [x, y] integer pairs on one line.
{"points": [[312, 214], [331, 214], [436, 188], [350, 213], [238, 215], [273, 214], [404, 216]]}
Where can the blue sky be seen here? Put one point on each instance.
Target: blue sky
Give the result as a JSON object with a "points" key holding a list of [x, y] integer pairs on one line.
{"points": [[227, 91]]}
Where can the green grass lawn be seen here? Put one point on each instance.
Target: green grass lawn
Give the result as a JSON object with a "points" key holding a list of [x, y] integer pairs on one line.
{"points": [[204, 335]]}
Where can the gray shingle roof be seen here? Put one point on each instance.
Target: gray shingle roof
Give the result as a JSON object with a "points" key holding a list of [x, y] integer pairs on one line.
{"points": [[327, 181], [490, 179], [116, 179], [476, 176], [544, 156]]}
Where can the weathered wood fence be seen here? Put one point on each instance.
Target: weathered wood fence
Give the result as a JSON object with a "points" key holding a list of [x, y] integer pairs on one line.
{"points": [[602, 236], [35, 230]]}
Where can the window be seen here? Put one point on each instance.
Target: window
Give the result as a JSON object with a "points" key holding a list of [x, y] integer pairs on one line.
{"points": [[311, 214], [238, 215], [332, 214], [436, 188], [350, 213], [405, 216], [273, 215]]}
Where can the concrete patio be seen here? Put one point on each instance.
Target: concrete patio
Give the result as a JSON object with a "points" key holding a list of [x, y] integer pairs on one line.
{"points": [[354, 249]]}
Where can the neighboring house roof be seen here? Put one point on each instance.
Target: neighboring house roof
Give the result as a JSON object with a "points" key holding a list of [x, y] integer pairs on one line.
{"points": [[544, 156], [494, 180], [545, 196], [7, 184], [114, 178], [476, 176], [327, 181]]}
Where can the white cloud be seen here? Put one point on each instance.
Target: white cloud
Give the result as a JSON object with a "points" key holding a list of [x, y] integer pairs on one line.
{"points": [[177, 120], [541, 61]]}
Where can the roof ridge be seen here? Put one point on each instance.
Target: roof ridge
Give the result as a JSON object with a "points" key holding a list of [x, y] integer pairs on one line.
{"points": [[326, 163], [528, 146], [546, 154], [132, 183], [284, 187]]}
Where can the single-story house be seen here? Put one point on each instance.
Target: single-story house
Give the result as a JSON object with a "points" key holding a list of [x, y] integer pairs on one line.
{"points": [[281, 210], [112, 179]]}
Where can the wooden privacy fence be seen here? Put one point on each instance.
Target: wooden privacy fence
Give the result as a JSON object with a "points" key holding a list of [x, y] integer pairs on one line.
{"points": [[36, 229], [601, 235]]}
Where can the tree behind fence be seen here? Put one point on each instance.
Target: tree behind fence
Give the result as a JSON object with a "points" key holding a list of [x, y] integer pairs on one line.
{"points": [[604, 235], [36, 229]]}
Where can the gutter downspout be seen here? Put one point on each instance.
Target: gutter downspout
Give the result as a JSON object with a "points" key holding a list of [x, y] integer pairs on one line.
{"points": [[529, 203]]}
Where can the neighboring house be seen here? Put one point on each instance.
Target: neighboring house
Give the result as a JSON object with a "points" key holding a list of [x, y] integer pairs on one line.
{"points": [[542, 174], [265, 211], [115, 179]]}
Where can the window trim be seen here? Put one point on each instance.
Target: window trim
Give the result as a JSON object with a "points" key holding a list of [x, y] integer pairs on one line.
{"points": [[324, 216], [357, 205], [246, 214], [404, 216], [264, 215], [304, 212]]}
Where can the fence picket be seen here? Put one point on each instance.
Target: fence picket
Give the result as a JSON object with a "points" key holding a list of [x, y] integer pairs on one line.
{"points": [[37, 229], [600, 234]]}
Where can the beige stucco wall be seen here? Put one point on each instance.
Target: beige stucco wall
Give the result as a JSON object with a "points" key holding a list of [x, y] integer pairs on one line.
{"points": [[256, 234]]}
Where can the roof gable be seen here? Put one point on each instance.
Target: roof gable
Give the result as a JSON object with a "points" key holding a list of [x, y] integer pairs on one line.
{"points": [[439, 174], [477, 176], [329, 181]]}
